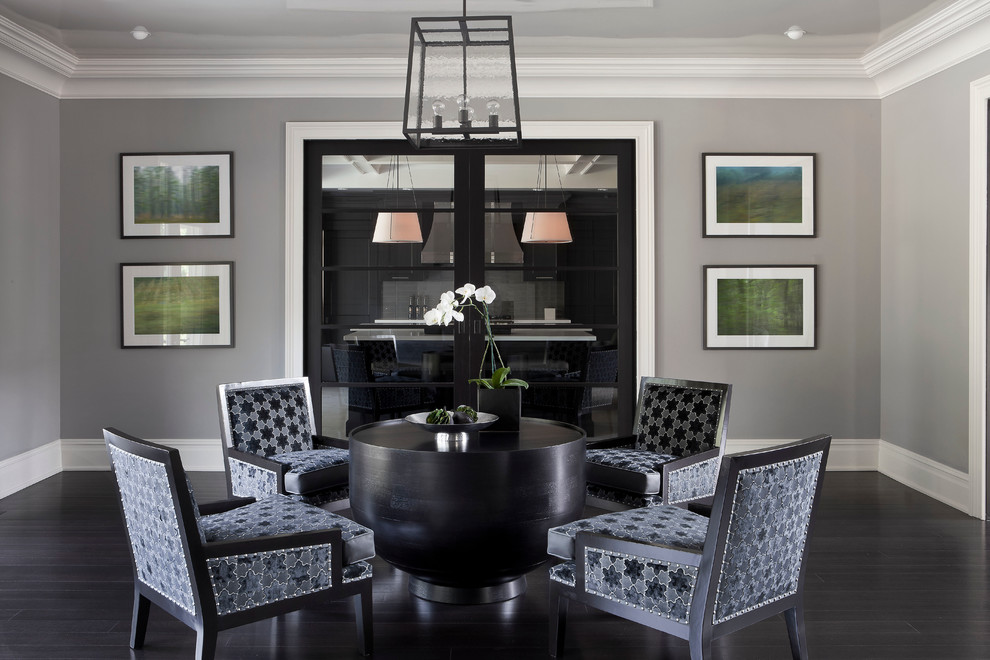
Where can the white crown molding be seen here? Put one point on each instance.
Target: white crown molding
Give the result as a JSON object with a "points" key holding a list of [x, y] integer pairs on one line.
{"points": [[19, 472], [948, 37]]}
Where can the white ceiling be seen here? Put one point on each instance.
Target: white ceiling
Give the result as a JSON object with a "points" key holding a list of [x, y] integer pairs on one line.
{"points": [[543, 28]]}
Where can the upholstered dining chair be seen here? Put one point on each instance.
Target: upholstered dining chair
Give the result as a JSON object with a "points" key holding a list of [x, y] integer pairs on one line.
{"points": [[220, 565], [271, 446], [695, 577], [367, 362], [673, 453]]}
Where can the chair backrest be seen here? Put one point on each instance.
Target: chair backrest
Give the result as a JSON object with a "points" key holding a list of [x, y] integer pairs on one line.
{"points": [[159, 514], [761, 519], [351, 365], [267, 417], [381, 355], [681, 417], [602, 367]]}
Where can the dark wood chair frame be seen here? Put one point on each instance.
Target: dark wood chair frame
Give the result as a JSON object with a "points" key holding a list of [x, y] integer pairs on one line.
{"points": [[628, 441], [280, 469], [700, 631], [207, 622]]}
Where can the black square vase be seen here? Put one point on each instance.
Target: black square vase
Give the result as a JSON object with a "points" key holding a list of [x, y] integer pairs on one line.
{"points": [[506, 403]]}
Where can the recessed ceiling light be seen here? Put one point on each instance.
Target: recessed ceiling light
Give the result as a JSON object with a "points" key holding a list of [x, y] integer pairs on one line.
{"points": [[795, 32], [140, 32]]}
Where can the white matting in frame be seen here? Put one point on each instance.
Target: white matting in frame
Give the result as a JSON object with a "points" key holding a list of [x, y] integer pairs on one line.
{"points": [[759, 195], [177, 305], [760, 306], [176, 195]]}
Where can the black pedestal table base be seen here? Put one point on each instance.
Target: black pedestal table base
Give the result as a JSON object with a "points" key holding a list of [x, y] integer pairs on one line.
{"points": [[467, 595], [466, 521]]}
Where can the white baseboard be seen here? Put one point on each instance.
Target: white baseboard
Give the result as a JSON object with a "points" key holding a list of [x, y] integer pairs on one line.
{"points": [[924, 475], [23, 470], [857, 454], [89, 454]]}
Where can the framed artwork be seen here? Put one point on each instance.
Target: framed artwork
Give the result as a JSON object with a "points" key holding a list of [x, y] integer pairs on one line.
{"points": [[759, 194], [760, 306], [176, 195], [177, 305]]}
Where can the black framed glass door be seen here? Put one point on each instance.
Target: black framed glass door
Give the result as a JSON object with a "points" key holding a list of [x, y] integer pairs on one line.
{"points": [[564, 313]]}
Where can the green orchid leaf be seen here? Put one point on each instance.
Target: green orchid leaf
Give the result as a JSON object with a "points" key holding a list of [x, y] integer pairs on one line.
{"points": [[483, 382], [515, 382], [499, 377]]}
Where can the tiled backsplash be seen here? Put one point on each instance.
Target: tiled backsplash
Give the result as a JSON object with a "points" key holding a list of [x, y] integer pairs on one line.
{"points": [[515, 297]]}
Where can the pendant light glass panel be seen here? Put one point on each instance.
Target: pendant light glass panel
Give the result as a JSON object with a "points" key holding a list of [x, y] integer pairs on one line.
{"points": [[461, 86]]}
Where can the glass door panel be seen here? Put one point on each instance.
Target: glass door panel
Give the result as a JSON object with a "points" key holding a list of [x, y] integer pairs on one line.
{"points": [[378, 360], [557, 311]]}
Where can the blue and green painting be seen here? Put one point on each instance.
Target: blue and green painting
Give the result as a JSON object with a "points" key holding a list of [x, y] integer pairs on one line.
{"points": [[758, 194]]}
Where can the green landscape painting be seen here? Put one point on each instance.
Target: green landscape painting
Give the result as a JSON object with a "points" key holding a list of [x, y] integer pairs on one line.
{"points": [[758, 194], [760, 307], [173, 194], [176, 305]]}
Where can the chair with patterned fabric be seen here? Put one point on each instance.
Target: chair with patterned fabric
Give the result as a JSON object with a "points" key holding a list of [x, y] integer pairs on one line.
{"points": [[220, 565], [673, 454], [271, 446], [695, 577]]}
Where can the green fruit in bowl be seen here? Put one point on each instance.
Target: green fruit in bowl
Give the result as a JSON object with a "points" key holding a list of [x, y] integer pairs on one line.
{"points": [[472, 416], [438, 416]]}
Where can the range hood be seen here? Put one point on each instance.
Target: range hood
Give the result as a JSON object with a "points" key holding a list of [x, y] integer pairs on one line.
{"points": [[501, 244]]}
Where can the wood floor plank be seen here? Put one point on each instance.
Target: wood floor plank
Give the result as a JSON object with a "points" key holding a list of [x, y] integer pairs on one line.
{"points": [[892, 575]]}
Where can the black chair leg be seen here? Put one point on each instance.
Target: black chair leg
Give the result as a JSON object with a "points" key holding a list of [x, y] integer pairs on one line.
{"points": [[139, 619], [363, 619], [795, 630], [206, 644], [558, 622]]}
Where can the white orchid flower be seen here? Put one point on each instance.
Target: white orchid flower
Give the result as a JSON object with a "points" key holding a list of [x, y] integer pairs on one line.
{"points": [[448, 298], [432, 317], [485, 294], [466, 292]]}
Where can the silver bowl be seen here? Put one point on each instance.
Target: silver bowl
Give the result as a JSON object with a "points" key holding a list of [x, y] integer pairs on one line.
{"points": [[484, 421]]}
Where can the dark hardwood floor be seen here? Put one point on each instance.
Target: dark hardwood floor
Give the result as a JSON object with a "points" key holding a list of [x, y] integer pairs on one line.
{"points": [[892, 574]]}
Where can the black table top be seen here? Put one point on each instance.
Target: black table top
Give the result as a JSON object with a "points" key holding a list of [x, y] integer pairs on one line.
{"points": [[402, 435]]}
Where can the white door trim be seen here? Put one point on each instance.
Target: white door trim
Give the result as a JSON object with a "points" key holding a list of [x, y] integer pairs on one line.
{"points": [[979, 95], [297, 133]]}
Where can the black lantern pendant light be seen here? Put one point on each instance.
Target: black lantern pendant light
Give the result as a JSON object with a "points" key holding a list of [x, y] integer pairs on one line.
{"points": [[461, 83]]}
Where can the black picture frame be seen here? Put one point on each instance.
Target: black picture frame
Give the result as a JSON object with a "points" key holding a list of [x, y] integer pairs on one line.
{"points": [[762, 195], [177, 304], [760, 307], [177, 195]]}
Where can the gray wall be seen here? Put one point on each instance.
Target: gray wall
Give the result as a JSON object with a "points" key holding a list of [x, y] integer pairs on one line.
{"points": [[170, 393], [925, 265], [29, 253]]}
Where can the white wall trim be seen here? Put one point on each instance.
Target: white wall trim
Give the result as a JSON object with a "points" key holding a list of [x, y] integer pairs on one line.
{"points": [[979, 95], [642, 132], [844, 455], [19, 472], [938, 481], [947, 37], [91, 454]]}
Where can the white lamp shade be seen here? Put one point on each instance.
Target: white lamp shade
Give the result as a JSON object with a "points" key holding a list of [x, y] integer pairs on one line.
{"points": [[546, 227], [397, 228]]}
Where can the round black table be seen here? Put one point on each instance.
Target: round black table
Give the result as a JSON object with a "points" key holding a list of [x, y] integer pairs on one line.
{"points": [[466, 517]]}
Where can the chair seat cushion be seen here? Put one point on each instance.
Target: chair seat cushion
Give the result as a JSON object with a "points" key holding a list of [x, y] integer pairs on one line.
{"points": [[313, 470], [634, 470], [278, 514], [659, 525]]}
